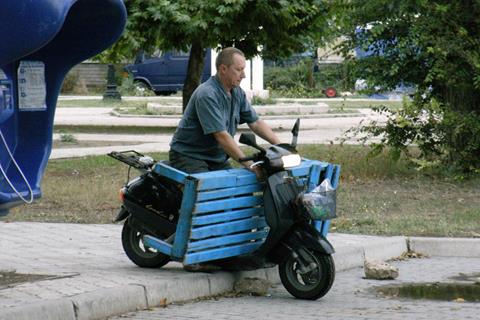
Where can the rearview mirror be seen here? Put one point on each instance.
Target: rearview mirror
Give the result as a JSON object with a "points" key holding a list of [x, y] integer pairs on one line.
{"points": [[250, 140]]}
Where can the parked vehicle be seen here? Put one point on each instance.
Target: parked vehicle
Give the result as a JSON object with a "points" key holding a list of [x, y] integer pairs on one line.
{"points": [[231, 219], [164, 72]]}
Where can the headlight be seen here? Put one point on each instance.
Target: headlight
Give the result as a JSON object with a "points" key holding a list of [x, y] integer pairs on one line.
{"points": [[292, 160]]}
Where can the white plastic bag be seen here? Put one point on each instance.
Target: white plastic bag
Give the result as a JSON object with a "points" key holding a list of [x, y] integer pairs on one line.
{"points": [[321, 202]]}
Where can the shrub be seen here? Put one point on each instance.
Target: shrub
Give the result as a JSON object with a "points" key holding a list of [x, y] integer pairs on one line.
{"points": [[301, 79]]}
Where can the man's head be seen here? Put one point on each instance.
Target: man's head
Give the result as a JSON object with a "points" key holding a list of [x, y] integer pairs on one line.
{"points": [[230, 65]]}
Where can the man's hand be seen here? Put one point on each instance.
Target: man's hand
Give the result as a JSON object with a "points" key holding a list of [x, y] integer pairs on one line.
{"points": [[255, 169]]}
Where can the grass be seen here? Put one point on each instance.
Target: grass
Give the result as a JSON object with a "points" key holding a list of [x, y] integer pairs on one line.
{"points": [[352, 103], [376, 196], [100, 104], [112, 129]]}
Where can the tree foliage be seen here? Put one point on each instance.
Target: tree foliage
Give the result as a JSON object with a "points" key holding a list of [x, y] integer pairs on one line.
{"points": [[278, 27], [433, 45]]}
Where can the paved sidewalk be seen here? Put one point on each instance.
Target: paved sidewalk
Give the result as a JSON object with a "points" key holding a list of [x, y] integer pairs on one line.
{"points": [[91, 278], [317, 129]]}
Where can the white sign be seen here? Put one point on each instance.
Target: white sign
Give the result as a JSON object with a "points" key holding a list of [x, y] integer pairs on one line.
{"points": [[32, 89]]}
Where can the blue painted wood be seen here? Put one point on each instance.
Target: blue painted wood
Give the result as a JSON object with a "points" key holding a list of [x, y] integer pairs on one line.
{"points": [[215, 254], [165, 170], [300, 171], [158, 244], [225, 179], [336, 176], [185, 218], [226, 240], [228, 192], [230, 203], [226, 216], [228, 228], [246, 177], [314, 177]]}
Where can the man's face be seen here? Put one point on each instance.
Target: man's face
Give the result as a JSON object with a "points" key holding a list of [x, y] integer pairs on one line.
{"points": [[234, 73]]}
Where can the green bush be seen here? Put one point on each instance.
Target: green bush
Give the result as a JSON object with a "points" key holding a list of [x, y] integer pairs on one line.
{"points": [[301, 80], [447, 140]]}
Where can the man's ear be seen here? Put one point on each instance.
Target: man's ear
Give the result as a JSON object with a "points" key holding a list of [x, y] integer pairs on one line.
{"points": [[222, 69]]}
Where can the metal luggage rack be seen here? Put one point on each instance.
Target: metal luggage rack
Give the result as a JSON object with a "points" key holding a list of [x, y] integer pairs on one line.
{"points": [[130, 157]]}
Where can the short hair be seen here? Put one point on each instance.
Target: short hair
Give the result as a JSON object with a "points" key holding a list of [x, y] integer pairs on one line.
{"points": [[226, 56]]}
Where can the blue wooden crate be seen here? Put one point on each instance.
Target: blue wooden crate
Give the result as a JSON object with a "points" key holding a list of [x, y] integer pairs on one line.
{"points": [[222, 215]]}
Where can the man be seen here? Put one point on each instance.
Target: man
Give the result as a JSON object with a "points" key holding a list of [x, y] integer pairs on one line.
{"points": [[204, 140]]}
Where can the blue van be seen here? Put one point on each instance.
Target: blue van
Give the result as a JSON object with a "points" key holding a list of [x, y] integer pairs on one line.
{"points": [[164, 73]]}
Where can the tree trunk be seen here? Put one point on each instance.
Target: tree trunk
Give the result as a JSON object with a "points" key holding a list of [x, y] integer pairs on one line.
{"points": [[194, 72]]}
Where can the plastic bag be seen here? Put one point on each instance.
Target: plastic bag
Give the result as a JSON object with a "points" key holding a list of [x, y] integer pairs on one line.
{"points": [[321, 202]]}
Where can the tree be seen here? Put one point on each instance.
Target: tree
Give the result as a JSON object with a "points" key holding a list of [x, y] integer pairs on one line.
{"points": [[278, 27], [433, 45]]}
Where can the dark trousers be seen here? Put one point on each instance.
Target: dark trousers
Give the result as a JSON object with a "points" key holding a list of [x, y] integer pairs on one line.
{"points": [[192, 165]]}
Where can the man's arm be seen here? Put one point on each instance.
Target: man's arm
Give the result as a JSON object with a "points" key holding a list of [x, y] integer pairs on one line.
{"points": [[228, 145], [262, 129]]}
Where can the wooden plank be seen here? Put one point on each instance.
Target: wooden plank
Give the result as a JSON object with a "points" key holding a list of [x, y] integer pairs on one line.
{"points": [[300, 171], [158, 244], [226, 216], [225, 179], [215, 254], [226, 240], [314, 177], [215, 179], [228, 192], [226, 204], [228, 228], [246, 177], [170, 172], [185, 218], [336, 176]]}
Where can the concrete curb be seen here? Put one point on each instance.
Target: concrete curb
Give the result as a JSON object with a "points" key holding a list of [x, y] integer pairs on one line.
{"points": [[448, 247], [351, 252]]}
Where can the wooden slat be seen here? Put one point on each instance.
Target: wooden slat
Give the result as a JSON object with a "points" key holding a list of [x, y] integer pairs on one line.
{"points": [[215, 254], [185, 218], [226, 216], [226, 240], [336, 176], [158, 244], [314, 177], [226, 204], [228, 228], [170, 172], [224, 179], [228, 192]]}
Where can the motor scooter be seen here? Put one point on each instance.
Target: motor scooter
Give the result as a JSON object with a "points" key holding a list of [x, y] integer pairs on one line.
{"points": [[154, 230]]}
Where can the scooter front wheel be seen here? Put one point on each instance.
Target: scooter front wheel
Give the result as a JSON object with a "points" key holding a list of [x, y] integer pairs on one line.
{"points": [[311, 283], [138, 252]]}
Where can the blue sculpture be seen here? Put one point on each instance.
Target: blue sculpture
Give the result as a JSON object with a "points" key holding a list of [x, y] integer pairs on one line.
{"points": [[41, 40]]}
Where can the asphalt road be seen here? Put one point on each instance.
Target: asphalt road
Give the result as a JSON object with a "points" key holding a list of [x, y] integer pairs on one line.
{"points": [[351, 297]]}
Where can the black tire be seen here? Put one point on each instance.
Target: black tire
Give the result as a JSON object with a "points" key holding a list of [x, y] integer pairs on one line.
{"points": [[142, 87], [136, 251], [312, 285]]}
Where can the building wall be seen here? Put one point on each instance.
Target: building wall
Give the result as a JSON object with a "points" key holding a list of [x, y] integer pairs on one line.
{"points": [[93, 74]]}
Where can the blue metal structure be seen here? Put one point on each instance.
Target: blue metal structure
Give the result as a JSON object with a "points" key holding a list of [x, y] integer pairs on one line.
{"points": [[41, 40], [222, 215]]}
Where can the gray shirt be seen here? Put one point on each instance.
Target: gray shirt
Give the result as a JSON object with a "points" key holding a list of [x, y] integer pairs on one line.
{"points": [[210, 110]]}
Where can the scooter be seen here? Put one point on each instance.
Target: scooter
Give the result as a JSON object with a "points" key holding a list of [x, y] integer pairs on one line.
{"points": [[151, 202]]}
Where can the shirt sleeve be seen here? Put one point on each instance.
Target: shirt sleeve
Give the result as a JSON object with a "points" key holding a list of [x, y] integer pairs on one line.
{"points": [[210, 114], [247, 113]]}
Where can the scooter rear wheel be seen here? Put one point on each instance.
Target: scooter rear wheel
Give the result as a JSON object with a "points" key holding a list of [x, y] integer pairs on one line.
{"points": [[310, 285], [136, 251]]}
